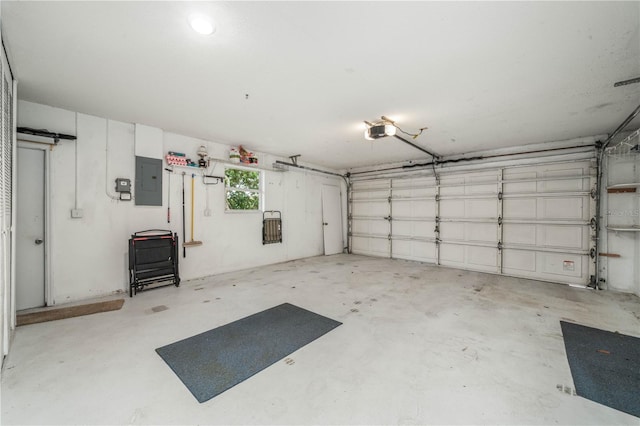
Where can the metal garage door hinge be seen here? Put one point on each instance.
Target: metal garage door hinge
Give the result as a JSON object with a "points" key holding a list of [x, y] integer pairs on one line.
{"points": [[594, 193], [499, 220], [592, 253], [499, 245], [499, 195], [389, 218], [593, 223], [437, 197]]}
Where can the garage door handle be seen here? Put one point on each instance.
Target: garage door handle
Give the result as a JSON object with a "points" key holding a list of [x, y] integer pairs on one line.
{"points": [[39, 241], [324, 223]]}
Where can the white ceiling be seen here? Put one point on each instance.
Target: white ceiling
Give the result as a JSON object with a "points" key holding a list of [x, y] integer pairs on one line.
{"points": [[480, 75]]}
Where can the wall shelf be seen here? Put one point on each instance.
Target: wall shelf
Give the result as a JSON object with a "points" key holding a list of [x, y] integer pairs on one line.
{"points": [[632, 228], [624, 185], [228, 163]]}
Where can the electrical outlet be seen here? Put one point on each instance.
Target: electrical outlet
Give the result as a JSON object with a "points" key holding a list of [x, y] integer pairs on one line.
{"points": [[207, 212], [76, 213]]}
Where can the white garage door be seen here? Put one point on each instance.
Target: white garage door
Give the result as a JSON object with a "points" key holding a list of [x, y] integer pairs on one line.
{"points": [[531, 221]]}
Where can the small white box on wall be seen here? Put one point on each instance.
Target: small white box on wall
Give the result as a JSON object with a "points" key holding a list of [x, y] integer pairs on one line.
{"points": [[148, 141]]}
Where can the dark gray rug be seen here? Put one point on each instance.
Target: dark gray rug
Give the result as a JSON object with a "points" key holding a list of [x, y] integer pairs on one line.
{"points": [[216, 360], [605, 366]]}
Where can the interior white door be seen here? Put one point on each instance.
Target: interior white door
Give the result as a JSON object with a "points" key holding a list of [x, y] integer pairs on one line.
{"points": [[332, 219], [30, 289]]}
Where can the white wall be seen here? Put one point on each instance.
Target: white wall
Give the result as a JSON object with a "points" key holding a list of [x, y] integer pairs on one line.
{"points": [[89, 256]]}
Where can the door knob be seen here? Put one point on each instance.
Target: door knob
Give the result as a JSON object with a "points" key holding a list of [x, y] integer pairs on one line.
{"points": [[39, 241]]}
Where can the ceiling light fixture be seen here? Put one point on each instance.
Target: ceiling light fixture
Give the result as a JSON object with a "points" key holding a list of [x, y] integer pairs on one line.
{"points": [[379, 130], [201, 24], [386, 127]]}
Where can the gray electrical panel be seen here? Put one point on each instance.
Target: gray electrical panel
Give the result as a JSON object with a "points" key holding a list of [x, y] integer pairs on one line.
{"points": [[148, 181]]}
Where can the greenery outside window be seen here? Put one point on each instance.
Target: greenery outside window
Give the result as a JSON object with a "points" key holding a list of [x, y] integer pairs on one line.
{"points": [[242, 190]]}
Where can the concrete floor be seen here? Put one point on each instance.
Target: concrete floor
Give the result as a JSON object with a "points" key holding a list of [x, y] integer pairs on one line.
{"points": [[418, 345]]}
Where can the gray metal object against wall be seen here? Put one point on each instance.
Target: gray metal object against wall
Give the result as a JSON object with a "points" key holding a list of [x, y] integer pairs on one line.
{"points": [[148, 181], [271, 227]]}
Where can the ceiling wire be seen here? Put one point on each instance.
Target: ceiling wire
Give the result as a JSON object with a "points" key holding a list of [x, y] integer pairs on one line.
{"points": [[413, 135], [393, 123]]}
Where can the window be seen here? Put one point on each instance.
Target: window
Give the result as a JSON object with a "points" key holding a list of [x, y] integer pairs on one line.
{"points": [[242, 190]]}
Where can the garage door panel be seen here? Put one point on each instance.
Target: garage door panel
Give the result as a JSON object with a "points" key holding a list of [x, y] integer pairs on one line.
{"points": [[571, 237], [481, 232], [415, 229], [451, 253], [378, 227], [518, 187], [519, 234], [365, 209], [370, 209], [424, 229], [544, 232], [469, 209], [401, 249], [451, 231], [484, 189], [370, 246], [482, 256], [370, 227], [546, 266], [402, 228], [414, 250], [403, 208], [452, 208], [561, 264], [379, 246], [451, 185], [562, 184], [481, 208], [482, 183], [415, 192], [519, 261], [472, 258], [519, 208], [420, 208], [360, 226], [561, 208], [359, 245]]}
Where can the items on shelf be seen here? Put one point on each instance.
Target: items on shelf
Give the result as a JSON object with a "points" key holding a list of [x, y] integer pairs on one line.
{"points": [[179, 159], [203, 162], [234, 155], [247, 157]]}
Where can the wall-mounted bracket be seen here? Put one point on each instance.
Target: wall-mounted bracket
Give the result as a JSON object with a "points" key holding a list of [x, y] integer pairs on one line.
{"points": [[212, 180], [45, 134]]}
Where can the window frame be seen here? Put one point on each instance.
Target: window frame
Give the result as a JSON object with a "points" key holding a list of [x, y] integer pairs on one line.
{"points": [[259, 191]]}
